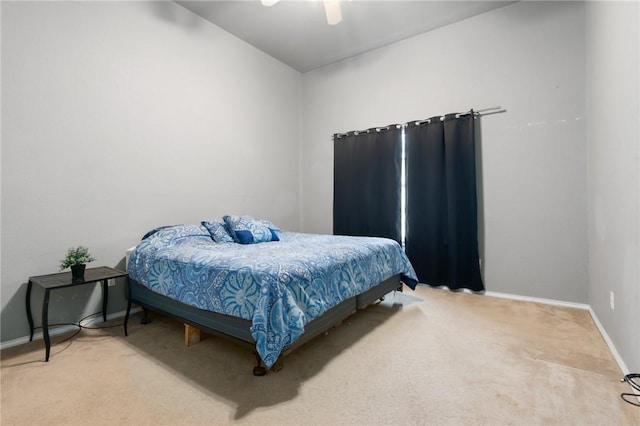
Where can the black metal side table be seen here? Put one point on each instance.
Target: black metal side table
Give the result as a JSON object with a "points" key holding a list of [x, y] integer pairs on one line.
{"points": [[62, 280]]}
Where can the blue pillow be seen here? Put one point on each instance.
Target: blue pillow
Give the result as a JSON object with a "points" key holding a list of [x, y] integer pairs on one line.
{"points": [[247, 230], [269, 225], [218, 232]]}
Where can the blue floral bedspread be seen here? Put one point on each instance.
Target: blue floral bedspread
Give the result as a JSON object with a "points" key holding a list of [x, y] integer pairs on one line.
{"points": [[279, 286]]}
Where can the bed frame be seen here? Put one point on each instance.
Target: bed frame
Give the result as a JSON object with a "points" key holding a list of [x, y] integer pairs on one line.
{"points": [[238, 329]]}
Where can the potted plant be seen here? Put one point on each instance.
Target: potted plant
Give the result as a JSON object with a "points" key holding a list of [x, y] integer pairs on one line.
{"points": [[76, 259]]}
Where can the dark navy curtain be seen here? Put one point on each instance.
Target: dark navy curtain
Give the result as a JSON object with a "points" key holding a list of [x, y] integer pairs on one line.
{"points": [[442, 218], [367, 183]]}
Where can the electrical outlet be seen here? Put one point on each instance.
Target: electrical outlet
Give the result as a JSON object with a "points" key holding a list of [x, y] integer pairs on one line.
{"points": [[111, 282], [612, 300]]}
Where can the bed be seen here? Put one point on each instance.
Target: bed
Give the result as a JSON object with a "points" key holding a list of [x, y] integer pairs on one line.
{"points": [[272, 295]]}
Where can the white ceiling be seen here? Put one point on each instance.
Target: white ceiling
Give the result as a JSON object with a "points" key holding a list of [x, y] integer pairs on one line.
{"points": [[296, 32]]}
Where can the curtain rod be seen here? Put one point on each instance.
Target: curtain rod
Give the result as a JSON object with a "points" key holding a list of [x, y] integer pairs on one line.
{"points": [[479, 112], [377, 129]]}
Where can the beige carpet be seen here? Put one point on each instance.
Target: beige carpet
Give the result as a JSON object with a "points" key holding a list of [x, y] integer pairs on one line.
{"points": [[423, 357]]}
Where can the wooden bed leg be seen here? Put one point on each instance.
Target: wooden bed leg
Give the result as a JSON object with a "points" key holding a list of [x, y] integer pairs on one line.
{"points": [[191, 335], [277, 366], [259, 370], [145, 319]]}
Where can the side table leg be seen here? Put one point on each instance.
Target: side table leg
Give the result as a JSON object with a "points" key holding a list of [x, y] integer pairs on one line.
{"points": [[45, 324], [29, 316], [105, 299], [126, 316]]}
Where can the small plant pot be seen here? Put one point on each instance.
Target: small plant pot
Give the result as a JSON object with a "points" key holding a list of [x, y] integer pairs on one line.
{"points": [[77, 271]]}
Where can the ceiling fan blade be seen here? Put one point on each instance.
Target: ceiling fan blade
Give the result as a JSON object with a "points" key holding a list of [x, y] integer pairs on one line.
{"points": [[269, 2], [333, 12]]}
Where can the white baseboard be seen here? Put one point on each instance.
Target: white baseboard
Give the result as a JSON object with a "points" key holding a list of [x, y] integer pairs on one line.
{"points": [[538, 300], [594, 317], [65, 329], [612, 347]]}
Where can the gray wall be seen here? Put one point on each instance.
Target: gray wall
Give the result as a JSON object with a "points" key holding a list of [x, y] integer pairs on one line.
{"points": [[118, 117], [121, 116], [527, 57], [613, 135]]}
